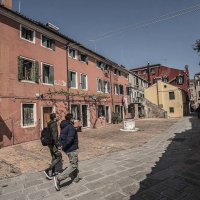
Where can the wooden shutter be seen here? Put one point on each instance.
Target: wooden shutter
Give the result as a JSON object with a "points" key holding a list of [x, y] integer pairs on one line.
{"points": [[36, 68], [78, 112], [20, 68], [51, 74]]}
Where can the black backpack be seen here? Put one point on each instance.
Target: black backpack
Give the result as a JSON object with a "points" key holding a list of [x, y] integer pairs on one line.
{"points": [[46, 137]]}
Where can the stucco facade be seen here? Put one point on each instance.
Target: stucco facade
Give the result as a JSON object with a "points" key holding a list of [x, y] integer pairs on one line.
{"points": [[168, 97], [43, 71]]}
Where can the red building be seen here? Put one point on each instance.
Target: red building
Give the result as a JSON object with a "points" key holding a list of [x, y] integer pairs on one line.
{"points": [[44, 71], [176, 77]]}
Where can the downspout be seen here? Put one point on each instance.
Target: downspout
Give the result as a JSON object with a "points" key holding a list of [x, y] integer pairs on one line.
{"points": [[111, 92], [67, 66]]}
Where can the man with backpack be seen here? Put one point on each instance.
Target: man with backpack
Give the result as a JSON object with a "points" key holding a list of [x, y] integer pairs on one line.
{"points": [[53, 147], [69, 142]]}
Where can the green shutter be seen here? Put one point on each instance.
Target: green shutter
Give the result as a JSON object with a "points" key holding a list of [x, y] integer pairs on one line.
{"points": [[20, 68], [51, 75], [36, 68], [78, 112]]}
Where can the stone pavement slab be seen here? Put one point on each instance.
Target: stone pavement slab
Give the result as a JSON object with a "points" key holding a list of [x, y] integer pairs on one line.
{"points": [[167, 167]]}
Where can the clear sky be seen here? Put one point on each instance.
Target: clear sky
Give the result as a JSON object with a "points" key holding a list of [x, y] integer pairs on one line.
{"points": [[129, 32]]}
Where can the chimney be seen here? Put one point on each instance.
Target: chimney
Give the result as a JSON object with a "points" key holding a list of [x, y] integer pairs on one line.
{"points": [[6, 3]]}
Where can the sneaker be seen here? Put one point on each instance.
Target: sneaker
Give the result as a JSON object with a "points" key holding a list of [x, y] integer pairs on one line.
{"points": [[48, 176], [56, 183]]}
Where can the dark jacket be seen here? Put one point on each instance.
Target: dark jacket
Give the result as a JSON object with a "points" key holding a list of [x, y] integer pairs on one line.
{"points": [[52, 125], [68, 137]]}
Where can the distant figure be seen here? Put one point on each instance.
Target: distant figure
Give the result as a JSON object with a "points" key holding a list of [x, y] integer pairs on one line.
{"points": [[198, 111], [69, 142], [55, 153]]}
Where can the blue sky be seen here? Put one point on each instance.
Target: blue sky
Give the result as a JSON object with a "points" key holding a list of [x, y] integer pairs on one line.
{"points": [[168, 41]]}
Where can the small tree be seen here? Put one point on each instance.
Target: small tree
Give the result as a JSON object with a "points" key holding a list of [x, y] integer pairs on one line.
{"points": [[196, 45]]}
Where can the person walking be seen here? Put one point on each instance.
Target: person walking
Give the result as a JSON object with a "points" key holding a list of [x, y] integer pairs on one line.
{"points": [[69, 142], [56, 161]]}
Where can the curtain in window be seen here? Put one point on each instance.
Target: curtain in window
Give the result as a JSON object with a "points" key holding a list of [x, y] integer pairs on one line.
{"points": [[75, 110], [83, 81], [28, 116], [51, 74]]}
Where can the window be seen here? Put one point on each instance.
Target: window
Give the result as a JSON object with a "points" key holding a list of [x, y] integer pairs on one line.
{"points": [[75, 110], [119, 73], [72, 53], [180, 79], [28, 115], [171, 95], [165, 79], [84, 82], [106, 86], [115, 71], [27, 34], [48, 43], [117, 108], [83, 57], [198, 83], [171, 109], [27, 70], [72, 79], [101, 111], [99, 85], [116, 89], [153, 70], [199, 93], [98, 63], [127, 90], [121, 89], [47, 74]]}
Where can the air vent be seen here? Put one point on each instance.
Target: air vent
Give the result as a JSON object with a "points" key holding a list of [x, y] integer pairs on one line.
{"points": [[50, 25]]}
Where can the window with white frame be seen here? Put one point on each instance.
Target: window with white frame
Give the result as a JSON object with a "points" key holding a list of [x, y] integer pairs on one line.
{"points": [[75, 110], [72, 53], [180, 79], [48, 43], [116, 89], [83, 57], [98, 63], [72, 78], [106, 86], [99, 85], [101, 111], [28, 115], [27, 34], [47, 74], [27, 70], [84, 85]]}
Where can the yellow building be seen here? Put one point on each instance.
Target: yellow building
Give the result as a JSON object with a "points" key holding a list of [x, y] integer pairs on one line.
{"points": [[168, 97]]}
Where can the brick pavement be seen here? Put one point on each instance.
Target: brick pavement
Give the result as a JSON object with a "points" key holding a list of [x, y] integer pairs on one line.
{"points": [[165, 168]]}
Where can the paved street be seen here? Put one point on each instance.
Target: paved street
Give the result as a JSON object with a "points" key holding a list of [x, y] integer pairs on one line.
{"points": [[167, 167]]}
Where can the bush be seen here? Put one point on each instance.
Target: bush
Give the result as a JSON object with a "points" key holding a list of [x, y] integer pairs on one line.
{"points": [[115, 117]]}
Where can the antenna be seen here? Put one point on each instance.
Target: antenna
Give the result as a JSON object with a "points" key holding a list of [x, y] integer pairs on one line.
{"points": [[19, 6]]}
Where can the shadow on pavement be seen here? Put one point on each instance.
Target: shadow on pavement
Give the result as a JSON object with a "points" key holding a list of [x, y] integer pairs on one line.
{"points": [[176, 176]]}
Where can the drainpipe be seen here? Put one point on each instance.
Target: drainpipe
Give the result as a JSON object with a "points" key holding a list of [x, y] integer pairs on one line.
{"points": [[111, 91], [67, 66]]}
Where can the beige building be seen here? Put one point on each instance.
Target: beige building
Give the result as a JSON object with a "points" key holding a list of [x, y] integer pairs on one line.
{"points": [[169, 98], [197, 89]]}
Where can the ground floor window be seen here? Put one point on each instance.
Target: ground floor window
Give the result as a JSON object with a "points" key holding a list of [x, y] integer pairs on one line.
{"points": [[28, 115], [171, 109], [75, 110], [101, 111]]}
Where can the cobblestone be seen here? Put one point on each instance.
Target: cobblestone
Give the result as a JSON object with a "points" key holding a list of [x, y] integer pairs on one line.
{"points": [[165, 168]]}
